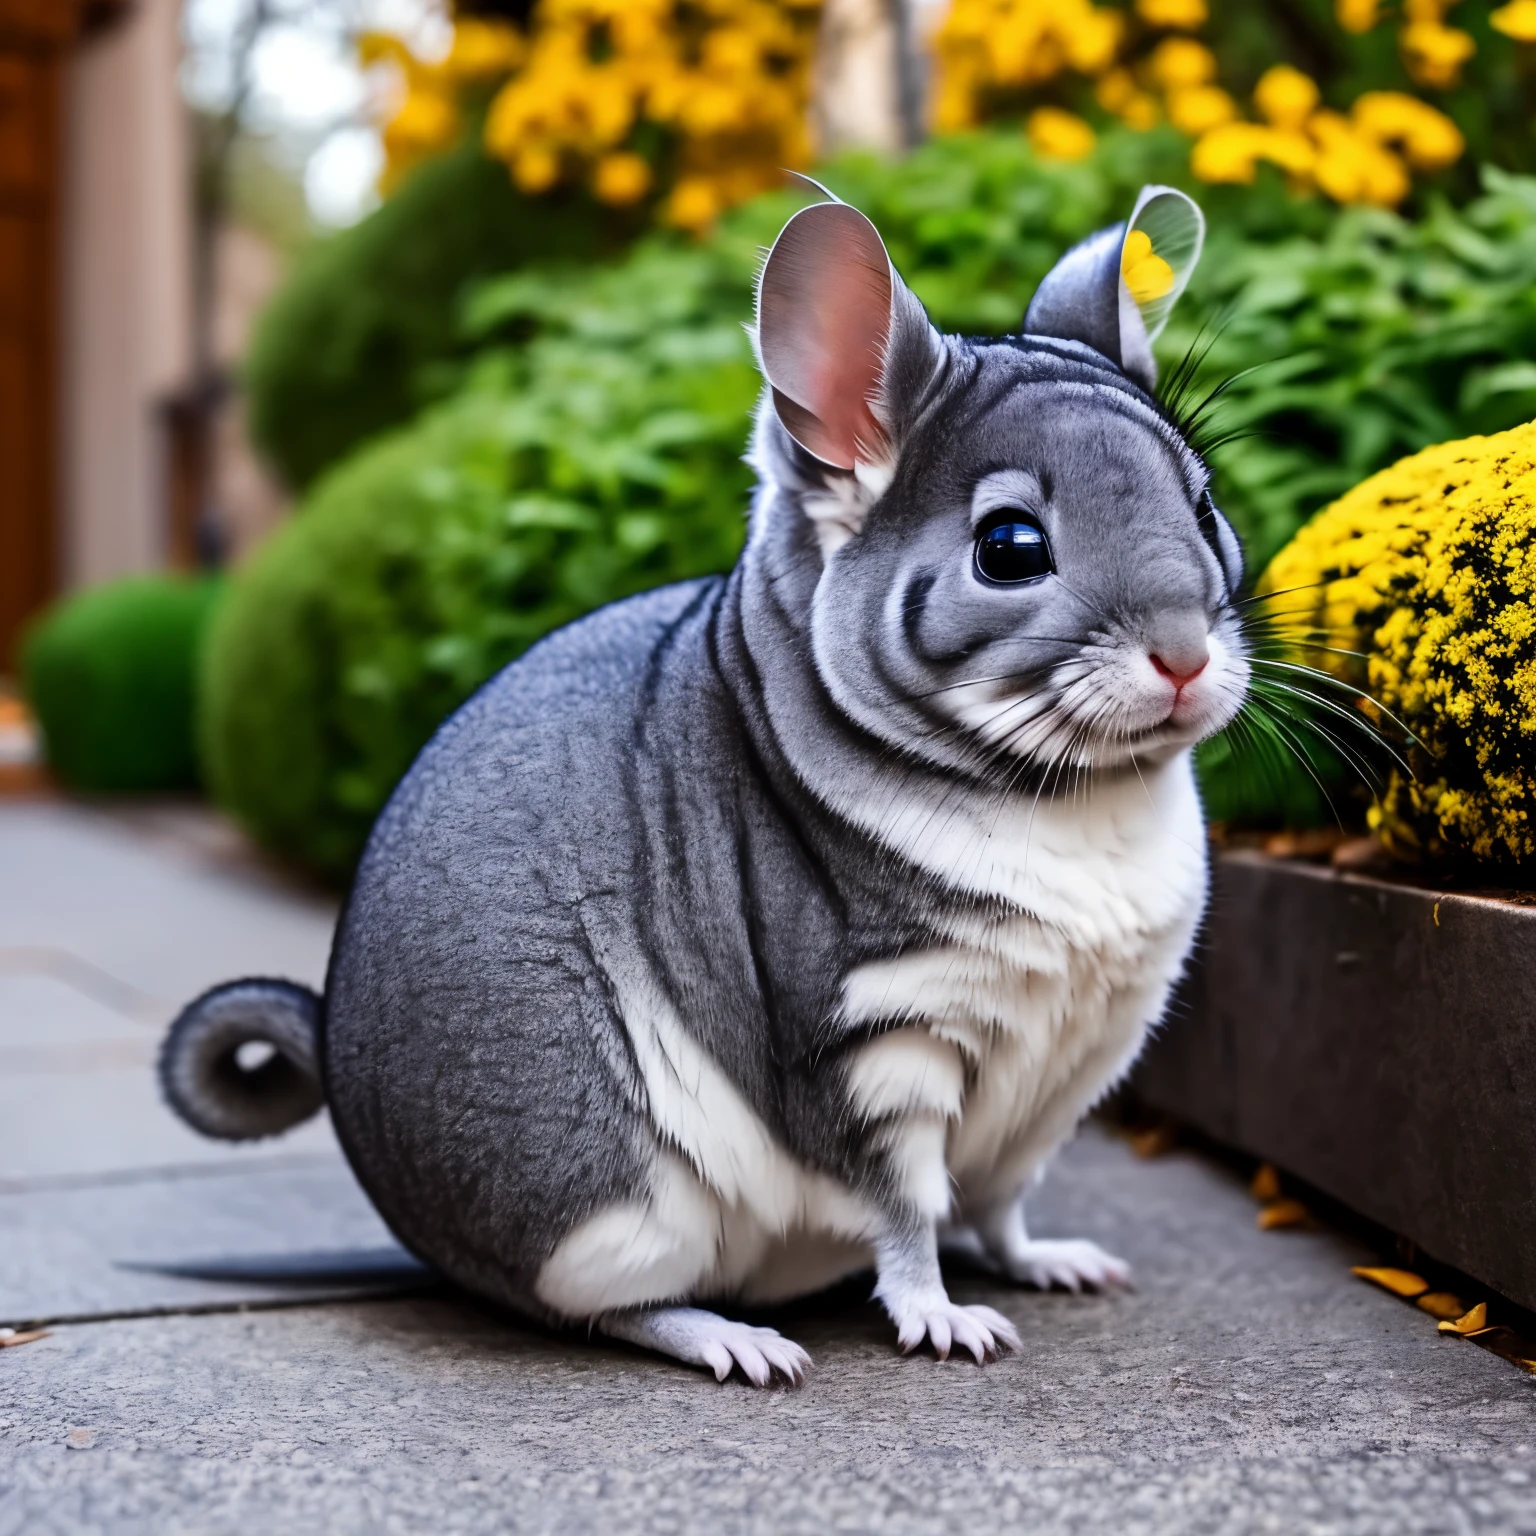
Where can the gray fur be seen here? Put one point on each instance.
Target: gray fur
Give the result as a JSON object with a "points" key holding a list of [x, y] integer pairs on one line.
{"points": [[634, 795], [1080, 298]]}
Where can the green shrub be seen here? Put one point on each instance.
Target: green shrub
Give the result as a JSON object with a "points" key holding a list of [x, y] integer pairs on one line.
{"points": [[110, 674], [599, 459], [592, 448], [364, 331]]}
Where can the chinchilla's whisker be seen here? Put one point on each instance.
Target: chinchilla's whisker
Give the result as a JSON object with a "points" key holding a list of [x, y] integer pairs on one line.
{"points": [[1025, 674], [1271, 687], [1281, 696], [1327, 679], [1093, 607], [1269, 597], [1368, 773], [1278, 732]]}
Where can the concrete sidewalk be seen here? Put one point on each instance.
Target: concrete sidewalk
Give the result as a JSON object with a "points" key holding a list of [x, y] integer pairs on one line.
{"points": [[1250, 1383]]}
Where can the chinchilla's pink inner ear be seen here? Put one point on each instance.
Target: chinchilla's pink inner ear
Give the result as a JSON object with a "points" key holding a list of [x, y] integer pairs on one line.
{"points": [[1116, 290], [823, 328]]}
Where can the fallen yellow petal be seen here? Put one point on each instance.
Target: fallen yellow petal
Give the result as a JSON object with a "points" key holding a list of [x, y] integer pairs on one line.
{"points": [[1473, 1322], [1401, 1282], [1444, 1305], [1282, 1213], [1266, 1184]]}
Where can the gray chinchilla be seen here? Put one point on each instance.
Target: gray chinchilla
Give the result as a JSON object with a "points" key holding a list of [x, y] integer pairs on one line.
{"points": [[754, 931]]}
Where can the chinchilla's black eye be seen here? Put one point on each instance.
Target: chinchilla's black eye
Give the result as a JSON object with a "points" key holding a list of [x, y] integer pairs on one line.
{"points": [[1012, 547]]}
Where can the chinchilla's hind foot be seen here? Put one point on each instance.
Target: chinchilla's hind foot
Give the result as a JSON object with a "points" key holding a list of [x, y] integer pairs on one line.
{"points": [[208, 1077], [704, 1338]]}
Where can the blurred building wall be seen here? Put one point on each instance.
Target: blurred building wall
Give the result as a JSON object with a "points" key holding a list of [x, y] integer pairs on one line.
{"points": [[127, 289], [249, 499]]}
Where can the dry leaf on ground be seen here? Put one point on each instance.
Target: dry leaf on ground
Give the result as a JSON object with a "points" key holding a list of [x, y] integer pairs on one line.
{"points": [[1443, 1304], [1266, 1184], [1283, 1213], [1307, 843], [1401, 1282], [12, 1340], [1473, 1322]]}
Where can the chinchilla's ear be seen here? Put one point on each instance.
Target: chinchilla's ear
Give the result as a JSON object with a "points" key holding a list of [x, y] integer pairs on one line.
{"points": [[1116, 289], [843, 343]]}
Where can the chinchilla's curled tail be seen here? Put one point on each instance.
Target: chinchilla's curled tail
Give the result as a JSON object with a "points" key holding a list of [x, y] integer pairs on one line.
{"points": [[216, 1074]]}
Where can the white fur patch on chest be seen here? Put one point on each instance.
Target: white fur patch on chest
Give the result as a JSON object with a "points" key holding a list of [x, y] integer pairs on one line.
{"points": [[1046, 997]]}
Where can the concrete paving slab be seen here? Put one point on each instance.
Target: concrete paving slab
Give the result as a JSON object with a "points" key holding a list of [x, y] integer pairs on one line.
{"points": [[292, 1228], [1249, 1384], [163, 916], [110, 919], [58, 1125]]}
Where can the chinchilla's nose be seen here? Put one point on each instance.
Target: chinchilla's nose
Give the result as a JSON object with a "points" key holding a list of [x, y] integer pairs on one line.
{"points": [[1178, 644]]}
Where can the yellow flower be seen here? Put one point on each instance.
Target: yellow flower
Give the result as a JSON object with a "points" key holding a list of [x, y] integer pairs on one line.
{"points": [[621, 178], [1352, 168], [536, 168], [1185, 15], [1092, 40], [483, 50], [1429, 139], [694, 204], [1196, 109], [1231, 152], [1181, 61], [1058, 135], [1117, 92], [1146, 274], [1116, 88], [1433, 54], [1285, 96], [1356, 15], [424, 123], [1516, 20]]}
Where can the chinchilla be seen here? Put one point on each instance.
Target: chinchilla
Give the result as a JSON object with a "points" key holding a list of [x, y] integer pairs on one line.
{"points": [[761, 929]]}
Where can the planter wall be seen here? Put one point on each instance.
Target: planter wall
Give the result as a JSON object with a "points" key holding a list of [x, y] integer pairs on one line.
{"points": [[1375, 1039]]}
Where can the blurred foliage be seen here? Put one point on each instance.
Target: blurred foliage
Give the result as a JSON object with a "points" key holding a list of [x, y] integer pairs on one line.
{"points": [[266, 194], [606, 114], [110, 675], [596, 457], [1367, 339], [592, 449], [365, 331]]}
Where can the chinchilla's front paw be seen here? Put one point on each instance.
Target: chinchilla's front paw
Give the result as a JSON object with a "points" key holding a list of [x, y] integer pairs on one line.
{"points": [[1071, 1263], [983, 1332]]}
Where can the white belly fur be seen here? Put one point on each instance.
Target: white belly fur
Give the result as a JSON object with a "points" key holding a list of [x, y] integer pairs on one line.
{"points": [[1014, 1027]]}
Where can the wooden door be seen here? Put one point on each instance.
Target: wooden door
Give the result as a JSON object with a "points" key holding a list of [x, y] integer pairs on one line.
{"points": [[33, 36]]}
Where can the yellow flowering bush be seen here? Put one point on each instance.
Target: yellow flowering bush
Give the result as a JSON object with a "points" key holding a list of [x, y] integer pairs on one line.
{"points": [[1142, 65], [702, 102], [1428, 570]]}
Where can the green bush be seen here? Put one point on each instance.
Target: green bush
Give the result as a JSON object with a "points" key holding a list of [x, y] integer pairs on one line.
{"points": [[592, 448], [364, 332], [597, 459], [110, 674]]}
